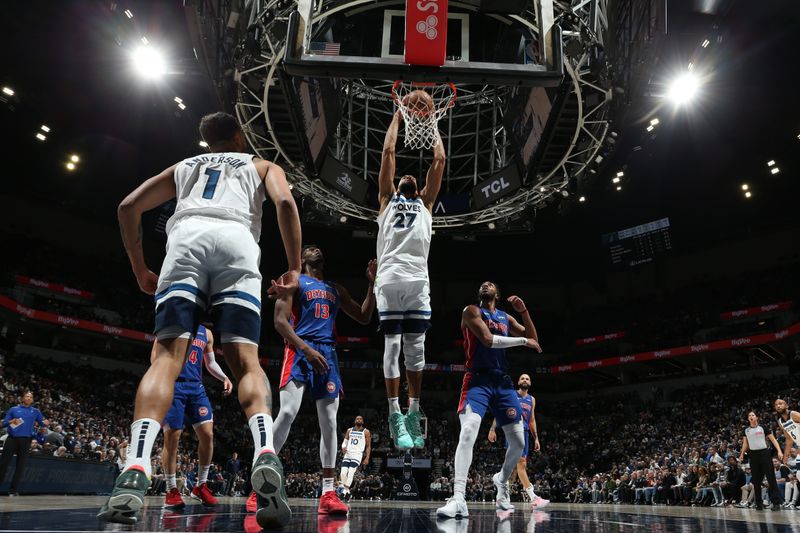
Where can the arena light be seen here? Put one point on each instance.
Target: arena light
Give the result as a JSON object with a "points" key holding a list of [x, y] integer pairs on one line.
{"points": [[491, 225], [542, 189], [771, 162], [775, 170], [650, 128], [178, 100], [148, 62], [620, 174], [9, 91], [74, 158], [684, 88], [690, 67], [128, 13], [203, 144], [145, 41], [70, 166], [655, 122], [582, 199], [615, 180], [41, 136], [182, 106], [745, 186], [748, 194], [619, 187], [343, 219], [705, 43], [45, 129]]}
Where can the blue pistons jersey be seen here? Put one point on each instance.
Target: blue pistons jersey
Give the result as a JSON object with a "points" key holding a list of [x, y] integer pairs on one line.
{"points": [[193, 367], [480, 357], [314, 310], [526, 402]]}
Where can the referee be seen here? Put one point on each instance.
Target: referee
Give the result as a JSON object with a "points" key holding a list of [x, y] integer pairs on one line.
{"points": [[20, 423], [761, 460]]}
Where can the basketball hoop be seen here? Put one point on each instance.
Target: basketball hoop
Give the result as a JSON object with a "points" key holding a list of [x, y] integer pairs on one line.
{"points": [[421, 125]]}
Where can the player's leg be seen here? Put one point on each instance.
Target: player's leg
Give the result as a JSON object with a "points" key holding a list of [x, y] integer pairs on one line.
{"points": [[204, 430], [508, 413], [169, 460], [391, 318], [295, 373], [416, 321], [347, 473]]}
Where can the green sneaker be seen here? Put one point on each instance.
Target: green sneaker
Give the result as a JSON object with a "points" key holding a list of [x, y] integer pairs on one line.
{"points": [[126, 499], [268, 483], [414, 428], [397, 427]]}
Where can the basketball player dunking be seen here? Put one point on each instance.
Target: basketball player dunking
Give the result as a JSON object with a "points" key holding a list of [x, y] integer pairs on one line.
{"points": [[405, 224], [211, 267], [191, 405], [487, 386], [306, 320], [356, 448], [789, 422], [528, 404]]}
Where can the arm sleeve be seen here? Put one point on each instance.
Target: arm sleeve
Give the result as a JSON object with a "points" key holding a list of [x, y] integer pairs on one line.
{"points": [[498, 341], [213, 367]]}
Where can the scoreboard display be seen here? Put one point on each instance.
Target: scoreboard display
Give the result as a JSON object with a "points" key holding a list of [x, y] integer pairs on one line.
{"points": [[637, 245]]}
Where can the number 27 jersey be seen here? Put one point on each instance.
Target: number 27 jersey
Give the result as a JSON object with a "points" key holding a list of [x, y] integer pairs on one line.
{"points": [[404, 240]]}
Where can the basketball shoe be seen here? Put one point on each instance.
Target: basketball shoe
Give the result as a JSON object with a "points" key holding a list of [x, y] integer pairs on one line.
{"points": [[502, 501], [414, 428], [397, 428], [267, 481], [252, 503], [203, 493], [173, 500], [126, 498], [329, 503], [456, 507], [537, 502]]}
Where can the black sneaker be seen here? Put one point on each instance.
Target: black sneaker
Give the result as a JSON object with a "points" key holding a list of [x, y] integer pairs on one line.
{"points": [[268, 483], [126, 499]]}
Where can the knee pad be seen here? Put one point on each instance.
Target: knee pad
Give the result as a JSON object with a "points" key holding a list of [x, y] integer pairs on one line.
{"points": [[391, 356], [470, 425], [414, 351]]}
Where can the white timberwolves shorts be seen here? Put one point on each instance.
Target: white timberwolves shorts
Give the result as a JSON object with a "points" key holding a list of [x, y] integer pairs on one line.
{"points": [[210, 271], [404, 307]]}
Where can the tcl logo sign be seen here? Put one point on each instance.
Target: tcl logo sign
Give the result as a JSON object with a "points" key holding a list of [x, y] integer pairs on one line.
{"points": [[495, 187]]}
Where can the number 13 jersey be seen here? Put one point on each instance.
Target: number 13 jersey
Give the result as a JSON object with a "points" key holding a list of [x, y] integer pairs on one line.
{"points": [[404, 239], [314, 310], [223, 185]]}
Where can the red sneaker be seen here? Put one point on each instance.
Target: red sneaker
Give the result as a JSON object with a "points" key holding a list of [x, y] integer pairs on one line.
{"points": [[329, 503], [173, 500], [203, 493], [252, 503]]}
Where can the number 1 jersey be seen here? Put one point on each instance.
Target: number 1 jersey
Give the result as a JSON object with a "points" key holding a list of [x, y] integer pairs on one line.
{"points": [[223, 186], [404, 240], [314, 310]]}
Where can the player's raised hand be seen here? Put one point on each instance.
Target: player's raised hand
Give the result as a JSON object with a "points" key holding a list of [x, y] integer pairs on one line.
{"points": [[517, 303], [372, 270], [533, 344], [318, 362], [227, 387], [147, 280], [285, 285]]}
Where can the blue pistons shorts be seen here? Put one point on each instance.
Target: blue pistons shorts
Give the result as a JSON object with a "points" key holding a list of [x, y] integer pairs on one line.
{"points": [[525, 449], [190, 405], [296, 367], [492, 390]]}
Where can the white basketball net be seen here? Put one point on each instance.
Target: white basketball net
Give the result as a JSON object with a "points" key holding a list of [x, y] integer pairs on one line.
{"points": [[422, 127]]}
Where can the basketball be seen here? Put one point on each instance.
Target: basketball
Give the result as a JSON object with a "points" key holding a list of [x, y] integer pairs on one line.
{"points": [[419, 101]]}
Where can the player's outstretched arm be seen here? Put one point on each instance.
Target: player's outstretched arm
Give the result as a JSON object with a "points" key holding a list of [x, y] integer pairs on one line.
{"points": [[360, 313], [210, 360], [471, 319], [288, 223], [433, 181], [388, 163], [146, 196]]}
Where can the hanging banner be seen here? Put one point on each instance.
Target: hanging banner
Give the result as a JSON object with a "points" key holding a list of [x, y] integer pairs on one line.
{"points": [[758, 310], [55, 287]]}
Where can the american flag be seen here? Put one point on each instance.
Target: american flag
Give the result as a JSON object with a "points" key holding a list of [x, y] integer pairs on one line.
{"points": [[325, 49]]}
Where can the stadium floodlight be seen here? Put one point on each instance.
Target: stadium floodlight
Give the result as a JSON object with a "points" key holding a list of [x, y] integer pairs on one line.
{"points": [[619, 187], [542, 189], [148, 62], [178, 100], [771, 162], [45, 129], [775, 170], [748, 194], [650, 128], [74, 158], [684, 88], [615, 179], [9, 91], [745, 186], [582, 199], [128, 13], [343, 219], [182, 106], [491, 225], [41, 136], [70, 166], [203, 144], [620, 174], [655, 122], [705, 43]]}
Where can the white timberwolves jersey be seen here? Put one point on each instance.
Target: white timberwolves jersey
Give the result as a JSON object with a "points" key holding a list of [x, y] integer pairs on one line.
{"points": [[404, 239], [355, 445], [791, 427], [220, 185]]}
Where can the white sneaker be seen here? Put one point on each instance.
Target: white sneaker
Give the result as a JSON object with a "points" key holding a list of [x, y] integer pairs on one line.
{"points": [[456, 507], [538, 502], [502, 501]]}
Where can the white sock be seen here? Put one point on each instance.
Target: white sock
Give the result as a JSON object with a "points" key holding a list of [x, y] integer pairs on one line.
{"points": [[143, 434], [529, 490], [327, 484], [170, 481], [413, 405], [202, 474], [261, 428], [394, 405]]}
